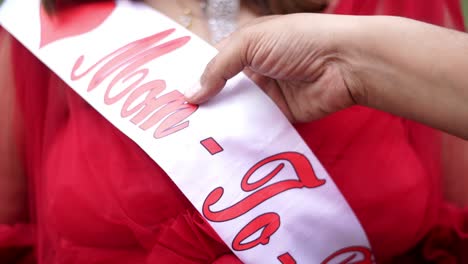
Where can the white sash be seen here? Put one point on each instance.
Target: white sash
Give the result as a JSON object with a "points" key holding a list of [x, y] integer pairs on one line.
{"points": [[236, 158]]}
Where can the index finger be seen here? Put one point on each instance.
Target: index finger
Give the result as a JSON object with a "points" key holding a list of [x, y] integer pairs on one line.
{"points": [[230, 61]]}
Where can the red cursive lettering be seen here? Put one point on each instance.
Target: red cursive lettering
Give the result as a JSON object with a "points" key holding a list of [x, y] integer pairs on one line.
{"points": [[169, 110], [351, 255], [302, 167], [268, 223]]}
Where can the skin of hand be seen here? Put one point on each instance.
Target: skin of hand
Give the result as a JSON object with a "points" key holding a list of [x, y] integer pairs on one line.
{"points": [[312, 65], [301, 70]]}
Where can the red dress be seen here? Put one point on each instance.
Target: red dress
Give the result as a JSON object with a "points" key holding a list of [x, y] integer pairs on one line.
{"points": [[95, 197]]}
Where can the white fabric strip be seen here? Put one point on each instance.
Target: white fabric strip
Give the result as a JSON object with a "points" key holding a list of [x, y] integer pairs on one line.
{"points": [[237, 158]]}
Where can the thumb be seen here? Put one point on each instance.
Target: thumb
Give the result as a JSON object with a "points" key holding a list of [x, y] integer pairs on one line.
{"points": [[230, 60]]}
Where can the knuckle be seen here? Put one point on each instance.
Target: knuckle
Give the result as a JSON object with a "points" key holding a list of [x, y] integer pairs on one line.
{"points": [[248, 45]]}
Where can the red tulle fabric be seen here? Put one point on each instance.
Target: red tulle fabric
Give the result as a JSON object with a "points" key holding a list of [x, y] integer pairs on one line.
{"points": [[95, 197]]}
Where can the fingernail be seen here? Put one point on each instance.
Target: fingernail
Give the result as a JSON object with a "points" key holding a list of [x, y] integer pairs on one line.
{"points": [[193, 90]]}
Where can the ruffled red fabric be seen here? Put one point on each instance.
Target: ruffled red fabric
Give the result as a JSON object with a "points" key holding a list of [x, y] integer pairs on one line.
{"points": [[447, 242], [97, 198]]}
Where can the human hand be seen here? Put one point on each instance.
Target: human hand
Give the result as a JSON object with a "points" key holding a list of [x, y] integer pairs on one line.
{"points": [[296, 60]]}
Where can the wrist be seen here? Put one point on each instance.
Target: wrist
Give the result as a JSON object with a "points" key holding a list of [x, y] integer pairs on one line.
{"points": [[352, 44], [367, 65]]}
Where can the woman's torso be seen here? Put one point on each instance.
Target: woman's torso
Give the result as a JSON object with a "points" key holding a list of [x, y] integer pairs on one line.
{"points": [[100, 199]]}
